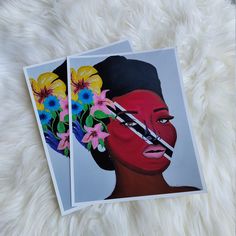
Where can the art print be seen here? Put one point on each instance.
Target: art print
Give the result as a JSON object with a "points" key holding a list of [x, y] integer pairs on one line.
{"points": [[130, 128], [47, 84]]}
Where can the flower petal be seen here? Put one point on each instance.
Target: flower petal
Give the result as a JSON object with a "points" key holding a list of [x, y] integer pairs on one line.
{"points": [[110, 103], [64, 104], [84, 72], [103, 94], [59, 88], [97, 128], [39, 106], [89, 129], [95, 83], [74, 96], [60, 135], [94, 142], [63, 114], [45, 79], [34, 85], [105, 109], [93, 109], [96, 98], [62, 144], [103, 135], [73, 75], [87, 138]]}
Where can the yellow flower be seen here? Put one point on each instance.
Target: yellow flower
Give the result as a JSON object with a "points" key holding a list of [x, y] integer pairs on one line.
{"points": [[85, 77], [47, 84]]}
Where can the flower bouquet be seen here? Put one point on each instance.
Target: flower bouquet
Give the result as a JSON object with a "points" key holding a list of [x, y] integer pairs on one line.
{"points": [[52, 105], [90, 108]]}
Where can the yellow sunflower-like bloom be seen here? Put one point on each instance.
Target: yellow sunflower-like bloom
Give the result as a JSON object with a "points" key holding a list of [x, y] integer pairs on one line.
{"points": [[47, 84], [85, 77]]}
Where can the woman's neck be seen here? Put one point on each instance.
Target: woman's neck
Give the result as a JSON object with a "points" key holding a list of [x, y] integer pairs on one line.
{"points": [[132, 183]]}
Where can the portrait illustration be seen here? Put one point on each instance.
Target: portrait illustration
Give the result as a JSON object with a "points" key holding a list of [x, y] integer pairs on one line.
{"points": [[121, 117]]}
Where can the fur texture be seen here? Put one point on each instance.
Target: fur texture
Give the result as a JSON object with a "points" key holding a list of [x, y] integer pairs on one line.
{"points": [[34, 31]]}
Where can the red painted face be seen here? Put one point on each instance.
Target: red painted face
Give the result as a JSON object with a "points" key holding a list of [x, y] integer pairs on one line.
{"points": [[127, 147]]}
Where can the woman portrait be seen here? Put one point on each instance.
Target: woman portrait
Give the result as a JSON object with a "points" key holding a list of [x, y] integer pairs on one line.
{"points": [[120, 116]]}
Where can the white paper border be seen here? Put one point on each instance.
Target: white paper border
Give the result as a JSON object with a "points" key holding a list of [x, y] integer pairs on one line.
{"points": [[149, 197], [82, 205]]}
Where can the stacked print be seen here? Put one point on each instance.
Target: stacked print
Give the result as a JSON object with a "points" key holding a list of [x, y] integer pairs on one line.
{"points": [[114, 126]]}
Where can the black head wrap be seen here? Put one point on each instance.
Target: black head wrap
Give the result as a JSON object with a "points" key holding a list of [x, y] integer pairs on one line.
{"points": [[120, 76]]}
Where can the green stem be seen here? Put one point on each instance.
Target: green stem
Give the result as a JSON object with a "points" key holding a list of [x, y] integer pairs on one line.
{"points": [[80, 121], [53, 132], [102, 123], [53, 122]]}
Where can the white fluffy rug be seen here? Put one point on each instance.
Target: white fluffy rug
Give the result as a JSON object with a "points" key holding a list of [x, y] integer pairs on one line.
{"points": [[38, 30]]}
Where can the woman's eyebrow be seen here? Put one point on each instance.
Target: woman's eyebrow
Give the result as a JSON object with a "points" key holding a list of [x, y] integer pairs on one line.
{"points": [[160, 109], [131, 112]]}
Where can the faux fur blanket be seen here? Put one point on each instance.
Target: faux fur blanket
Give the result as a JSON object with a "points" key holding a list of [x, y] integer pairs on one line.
{"points": [[38, 30]]}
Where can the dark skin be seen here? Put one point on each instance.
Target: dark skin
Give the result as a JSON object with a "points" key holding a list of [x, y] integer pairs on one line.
{"points": [[138, 166], [144, 184]]}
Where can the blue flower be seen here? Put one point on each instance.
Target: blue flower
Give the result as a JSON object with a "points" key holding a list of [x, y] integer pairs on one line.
{"points": [[86, 96], [52, 103], [78, 132], [45, 117], [76, 108]]}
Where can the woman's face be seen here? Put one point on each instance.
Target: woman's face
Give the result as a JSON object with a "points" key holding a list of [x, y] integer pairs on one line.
{"points": [[127, 147]]}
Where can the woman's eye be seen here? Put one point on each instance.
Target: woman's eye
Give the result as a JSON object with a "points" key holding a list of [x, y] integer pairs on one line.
{"points": [[129, 124], [165, 120]]}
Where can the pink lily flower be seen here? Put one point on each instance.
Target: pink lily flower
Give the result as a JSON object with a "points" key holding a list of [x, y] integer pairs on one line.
{"points": [[64, 106], [94, 134], [64, 142], [101, 103]]}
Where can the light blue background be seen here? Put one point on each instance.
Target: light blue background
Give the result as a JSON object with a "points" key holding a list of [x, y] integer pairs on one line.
{"points": [[92, 183], [60, 163]]}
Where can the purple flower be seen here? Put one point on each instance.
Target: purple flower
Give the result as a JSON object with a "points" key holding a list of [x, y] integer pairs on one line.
{"points": [[52, 141], [78, 132]]}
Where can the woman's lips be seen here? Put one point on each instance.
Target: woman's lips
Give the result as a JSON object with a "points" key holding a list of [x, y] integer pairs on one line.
{"points": [[154, 151]]}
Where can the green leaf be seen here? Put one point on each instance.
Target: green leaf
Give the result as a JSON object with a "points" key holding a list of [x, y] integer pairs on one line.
{"points": [[89, 121], [61, 127], [100, 115], [101, 142], [74, 117], [66, 118], [85, 108], [54, 114], [66, 152], [45, 128], [104, 127], [89, 145]]}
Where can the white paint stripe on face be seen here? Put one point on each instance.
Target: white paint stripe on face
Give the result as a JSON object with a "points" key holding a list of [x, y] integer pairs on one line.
{"points": [[136, 132], [144, 127]]}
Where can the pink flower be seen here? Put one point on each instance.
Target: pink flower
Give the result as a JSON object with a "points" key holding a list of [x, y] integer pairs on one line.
{"points": [[94, 134], [64, 106], [101, 103], [64, 142]]}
